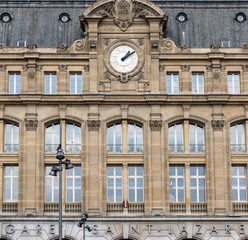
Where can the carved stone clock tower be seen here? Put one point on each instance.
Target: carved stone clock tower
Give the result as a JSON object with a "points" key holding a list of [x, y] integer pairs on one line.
{"points": [[123, 40]]}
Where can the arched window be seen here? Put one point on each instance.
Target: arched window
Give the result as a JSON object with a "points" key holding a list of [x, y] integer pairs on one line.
{"points": [[11, 138], [196, 138], [237, 134], [135, 138], [176, 138], [114, 138], [52, 137], [73, 138]]}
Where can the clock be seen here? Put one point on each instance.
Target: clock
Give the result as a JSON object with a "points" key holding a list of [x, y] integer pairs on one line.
{"points": [[123, 59]]}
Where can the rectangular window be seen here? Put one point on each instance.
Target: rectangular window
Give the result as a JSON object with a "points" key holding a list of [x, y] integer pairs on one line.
{"points": [[238, 183], [14, 83], [197, 83], [75, 83], [172, 83], [197, 183], [51, 186], [233, 83], [73, 184], [176, 174], [50, 83], [135, 184], [11, 183], [114, 183]]}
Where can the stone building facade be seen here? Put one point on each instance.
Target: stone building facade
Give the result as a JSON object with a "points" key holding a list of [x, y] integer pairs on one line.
{"points": [[142, 117]]}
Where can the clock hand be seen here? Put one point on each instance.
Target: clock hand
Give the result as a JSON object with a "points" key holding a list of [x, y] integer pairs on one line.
{"points": [[123, 58], [130, 54]]}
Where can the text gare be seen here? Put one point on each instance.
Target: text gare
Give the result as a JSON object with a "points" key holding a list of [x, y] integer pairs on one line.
{"points": [[134, 229]]}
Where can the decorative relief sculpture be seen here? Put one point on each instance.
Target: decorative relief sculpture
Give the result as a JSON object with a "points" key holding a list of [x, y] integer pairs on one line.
{"points": [[63, 68], [185, 68], [80, 44], [31, 47], [124, 78], [93, 125], [161, 68], [168, 44], [155, 125], [245, 67], [216, 75], [2, 45], [31, 125], [154, 43], [2, 67], [62, 48], [217, 125], [86, 68], [215, 47], [93, 44]]}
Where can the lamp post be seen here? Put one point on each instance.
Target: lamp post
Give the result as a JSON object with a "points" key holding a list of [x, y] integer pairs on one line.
{"points": [[54, 171]]}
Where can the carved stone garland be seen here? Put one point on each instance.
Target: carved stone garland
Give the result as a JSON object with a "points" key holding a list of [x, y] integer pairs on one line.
{"points": [[155, 125], [93, 125], [217, 125]]}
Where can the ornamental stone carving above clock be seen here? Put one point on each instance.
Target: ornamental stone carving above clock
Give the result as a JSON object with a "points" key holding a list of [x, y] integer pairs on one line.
{"points": [[124, 59]]}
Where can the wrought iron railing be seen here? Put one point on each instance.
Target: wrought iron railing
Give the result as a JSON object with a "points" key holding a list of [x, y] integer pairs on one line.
{"points": [[176, 148], [51, 207], [198, 207], [52, 148], [177, 207], [200, 148], [136, 207], [138, 148], [237, 148], [10, 207], [73, 148], [73, 207], [11, 148], [240, 207], [114, 148], [114, 207]]}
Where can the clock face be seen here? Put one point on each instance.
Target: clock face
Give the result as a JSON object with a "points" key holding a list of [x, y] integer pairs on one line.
{"points": [[123, 59]]}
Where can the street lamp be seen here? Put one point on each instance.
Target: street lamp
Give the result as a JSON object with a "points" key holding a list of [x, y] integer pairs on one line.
{"points": [[54, 171]]}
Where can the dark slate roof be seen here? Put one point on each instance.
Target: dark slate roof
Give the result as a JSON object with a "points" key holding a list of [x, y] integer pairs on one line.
{"points": [[209, 22]]}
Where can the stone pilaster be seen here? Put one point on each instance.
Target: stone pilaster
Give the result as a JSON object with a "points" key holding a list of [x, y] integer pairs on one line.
{"points": [[62, 82]]}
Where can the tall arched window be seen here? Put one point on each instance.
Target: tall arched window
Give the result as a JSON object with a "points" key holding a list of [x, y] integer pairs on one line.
{"points": [[237, 134], [135, 138], [196, 138], [114, 138], [73, 138], [176, 138], [52, 137], [11, 138]]}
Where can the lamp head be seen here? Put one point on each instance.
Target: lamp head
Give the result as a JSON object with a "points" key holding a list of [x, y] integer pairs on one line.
{"points": [[54, 171], [68, 164], [60, 153]]}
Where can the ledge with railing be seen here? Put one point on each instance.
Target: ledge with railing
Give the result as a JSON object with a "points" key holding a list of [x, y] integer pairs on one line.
{"points": [[177, 207], [73, 148], [132, 207], [240, 207], [51, 148], [176, 148], [10, 207], [197, 148], [114, 148], [73, 207], [135, 148], [12, 148], [114, 207], [238, 148], [198, 207], [51, 207]]}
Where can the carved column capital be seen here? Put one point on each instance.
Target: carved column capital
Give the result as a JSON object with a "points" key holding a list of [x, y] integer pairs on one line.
{"points": [[31, 124], [217, 125], [93, 125], [155, 125]]}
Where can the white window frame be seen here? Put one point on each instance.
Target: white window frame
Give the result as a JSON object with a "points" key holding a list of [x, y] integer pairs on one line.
{"points": [[136, 148], [136, 177], [174, 83], [115, 149], [198, 177], [176, 177], [14, 137], [238, 177], [11, 177], [196, 137], [53, 179], [15, 89], [232, 88], [114, 177], [175, 148], [77, 79], [77, 144], [50, 75], [198, 87], [52, 135], [237, 148], [74, 187]]}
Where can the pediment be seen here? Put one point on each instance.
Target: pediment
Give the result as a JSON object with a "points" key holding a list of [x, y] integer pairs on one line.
{"points": [[123, 12]]}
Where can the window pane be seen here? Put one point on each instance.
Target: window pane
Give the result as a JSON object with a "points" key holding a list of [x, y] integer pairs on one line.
{"points": [[131, 195], [140, 197], [139, 171], [131, 171], [110, 171], [118, 171]]}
